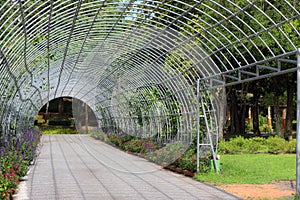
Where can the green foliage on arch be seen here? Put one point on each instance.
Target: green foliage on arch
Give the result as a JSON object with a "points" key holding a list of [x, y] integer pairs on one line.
{"points": [[155, 104]]}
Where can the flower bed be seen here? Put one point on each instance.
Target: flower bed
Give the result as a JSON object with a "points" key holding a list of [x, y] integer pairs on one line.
{"points": [[172, 155], [16, 153]]}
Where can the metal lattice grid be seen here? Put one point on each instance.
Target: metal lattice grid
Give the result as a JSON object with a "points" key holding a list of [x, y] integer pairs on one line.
{"points": [[136, 62]]}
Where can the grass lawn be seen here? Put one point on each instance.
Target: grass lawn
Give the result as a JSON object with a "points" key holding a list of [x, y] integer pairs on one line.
{"points": [[253, 169]]}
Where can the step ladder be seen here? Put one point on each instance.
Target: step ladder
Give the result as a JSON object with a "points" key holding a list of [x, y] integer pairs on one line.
{"points": [[207, 138]]}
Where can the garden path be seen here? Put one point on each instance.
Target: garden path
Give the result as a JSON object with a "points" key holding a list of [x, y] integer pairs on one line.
{"points": [[80, 167]]}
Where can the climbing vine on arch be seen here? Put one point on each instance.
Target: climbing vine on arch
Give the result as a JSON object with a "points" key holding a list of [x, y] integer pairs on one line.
{"points": [[156, 110]]}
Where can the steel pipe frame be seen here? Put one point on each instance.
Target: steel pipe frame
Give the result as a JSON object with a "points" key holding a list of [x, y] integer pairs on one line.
{"points": [[90, 50], [298, 127]]}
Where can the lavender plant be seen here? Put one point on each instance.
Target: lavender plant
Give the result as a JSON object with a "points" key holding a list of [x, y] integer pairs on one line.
{"points": [[16, 153]]}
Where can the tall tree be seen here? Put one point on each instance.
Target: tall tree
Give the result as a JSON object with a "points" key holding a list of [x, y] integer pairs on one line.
{"points": [[234, 127], [291, 88], [255, 109]]}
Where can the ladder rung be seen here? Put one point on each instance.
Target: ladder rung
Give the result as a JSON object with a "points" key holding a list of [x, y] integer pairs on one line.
{"points": [[204, 144]]}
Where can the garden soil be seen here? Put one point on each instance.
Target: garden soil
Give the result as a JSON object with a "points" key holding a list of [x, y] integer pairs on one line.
{"points": [[275, 190]]}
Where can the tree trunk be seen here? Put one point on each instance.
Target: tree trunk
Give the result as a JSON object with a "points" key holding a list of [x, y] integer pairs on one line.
{"points": [[255, 112], [242, 118], [234, 118], [242, 114], [290, 106], [277, 109]]}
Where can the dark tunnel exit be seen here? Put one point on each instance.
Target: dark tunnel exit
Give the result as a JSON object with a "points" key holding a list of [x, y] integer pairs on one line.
{"points": [[67, 112]]}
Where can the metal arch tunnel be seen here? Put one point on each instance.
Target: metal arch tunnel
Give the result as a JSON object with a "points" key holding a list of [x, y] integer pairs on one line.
{"points": [[136, 63]]}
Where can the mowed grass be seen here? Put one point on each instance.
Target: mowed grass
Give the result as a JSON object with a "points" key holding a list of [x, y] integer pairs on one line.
{"points": [[253, 169]]}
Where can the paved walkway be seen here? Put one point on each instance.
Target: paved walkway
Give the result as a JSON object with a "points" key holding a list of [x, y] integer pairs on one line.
{"points": [[80, 167]]}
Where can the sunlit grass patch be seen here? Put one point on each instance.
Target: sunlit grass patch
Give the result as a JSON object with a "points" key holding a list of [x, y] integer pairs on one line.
{"points": [[253, 169]]}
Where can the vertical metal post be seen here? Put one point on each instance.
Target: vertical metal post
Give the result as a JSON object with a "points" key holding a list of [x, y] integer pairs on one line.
{"points": [[298, 127], [209, 134], [198, 125]]}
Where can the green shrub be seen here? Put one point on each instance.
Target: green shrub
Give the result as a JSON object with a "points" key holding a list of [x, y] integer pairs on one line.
{"points": [[134, 145], [168, 154], [122, 139], [236, 145], [188, 161], [248, 126], [276, 145], [118, 140], [126, 137], [291, 147], [255, 145], [204, 166], [223, 147], [115, 139]]}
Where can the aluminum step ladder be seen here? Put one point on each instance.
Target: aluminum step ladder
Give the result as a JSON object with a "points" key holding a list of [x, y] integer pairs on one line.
{"points": [[208, 139]]}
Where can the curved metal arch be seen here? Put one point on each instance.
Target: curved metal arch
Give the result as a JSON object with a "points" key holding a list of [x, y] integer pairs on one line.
{"points": [[137, 62], [80, 13]]}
